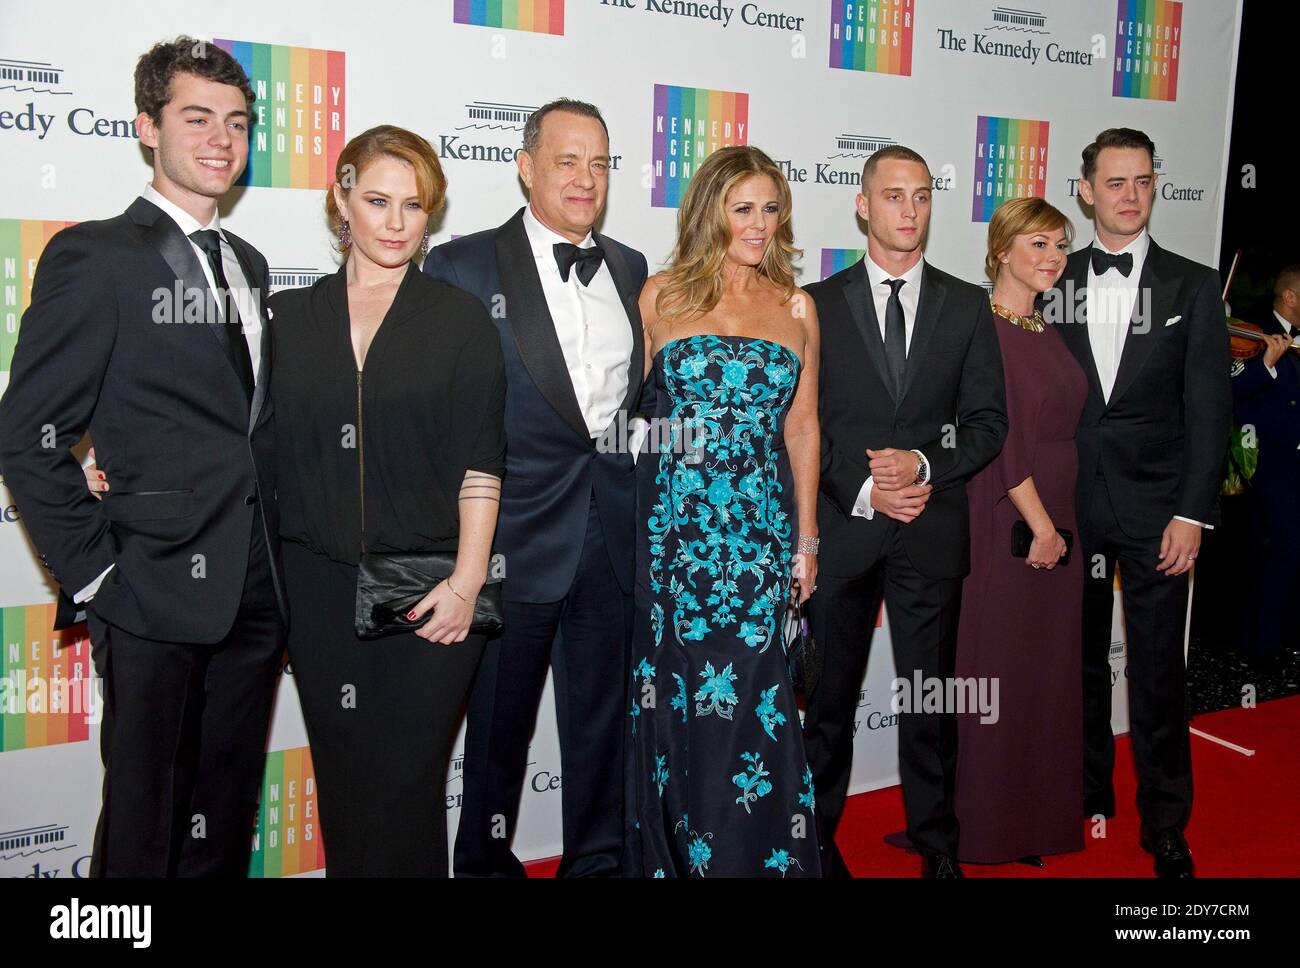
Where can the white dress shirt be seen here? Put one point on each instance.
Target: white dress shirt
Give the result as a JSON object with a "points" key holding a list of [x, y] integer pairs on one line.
{"points": [[909, 295], [592, 326], [1111, 301], [244, 298]]}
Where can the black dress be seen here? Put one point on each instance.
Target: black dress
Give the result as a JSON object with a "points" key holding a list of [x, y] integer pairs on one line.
{"points": [[381, 715]]}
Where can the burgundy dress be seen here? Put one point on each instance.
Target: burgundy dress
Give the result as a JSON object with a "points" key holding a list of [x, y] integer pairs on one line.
{"points": [[1019, 786]]}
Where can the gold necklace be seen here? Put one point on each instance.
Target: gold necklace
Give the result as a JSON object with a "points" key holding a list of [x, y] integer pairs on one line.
{"points": [[1033, 324]]}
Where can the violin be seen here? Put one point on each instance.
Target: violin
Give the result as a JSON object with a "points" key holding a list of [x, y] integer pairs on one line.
{"points": [[1247, 340]]}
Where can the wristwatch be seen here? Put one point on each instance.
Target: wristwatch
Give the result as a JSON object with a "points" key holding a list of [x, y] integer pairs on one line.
{"points": [[922, 468]]}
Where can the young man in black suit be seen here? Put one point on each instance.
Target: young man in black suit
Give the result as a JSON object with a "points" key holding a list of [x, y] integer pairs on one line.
{"points": [[912, 405], [1147, 326], [564, 298], [1266, 401], [147, 330]]}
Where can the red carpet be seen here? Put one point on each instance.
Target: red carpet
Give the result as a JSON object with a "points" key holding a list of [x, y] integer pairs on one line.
{"points": [[1243, 823]]}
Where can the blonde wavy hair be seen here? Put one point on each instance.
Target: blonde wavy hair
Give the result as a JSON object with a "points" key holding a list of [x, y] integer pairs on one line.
{"points": [[1021, 216], [692, 283]]}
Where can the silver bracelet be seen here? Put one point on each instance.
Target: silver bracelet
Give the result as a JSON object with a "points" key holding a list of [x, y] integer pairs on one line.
{"points": [[808, 544]]}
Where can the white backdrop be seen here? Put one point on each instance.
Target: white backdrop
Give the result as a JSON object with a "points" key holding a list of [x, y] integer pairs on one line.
{"points": [[466, 74]]}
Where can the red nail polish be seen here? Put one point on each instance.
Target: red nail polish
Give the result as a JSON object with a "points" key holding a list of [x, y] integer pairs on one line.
{"points": [[410, 615], [101, 476]]}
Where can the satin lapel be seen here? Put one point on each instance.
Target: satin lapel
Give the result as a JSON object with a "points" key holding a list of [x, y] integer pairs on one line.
{"points": [[165, 236], [530, 321], [623, 283], [264, 356], [1156, 293], [862, 307], [1075, 333], [928, 307]]}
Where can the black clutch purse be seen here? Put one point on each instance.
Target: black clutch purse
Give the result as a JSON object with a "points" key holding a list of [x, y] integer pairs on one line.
{"points": [[803, 659], [1022, 537], [390, 585]]}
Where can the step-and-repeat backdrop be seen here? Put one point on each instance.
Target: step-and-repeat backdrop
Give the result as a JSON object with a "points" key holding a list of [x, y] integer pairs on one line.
{"points": [[1000, 100]]}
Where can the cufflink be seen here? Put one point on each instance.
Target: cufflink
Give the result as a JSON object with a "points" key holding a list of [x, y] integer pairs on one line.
{"points": [[1172, 319]]}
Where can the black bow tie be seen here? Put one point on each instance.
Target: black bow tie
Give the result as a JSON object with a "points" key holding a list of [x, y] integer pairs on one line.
{"points": [[588, 260], [1103, 260]]}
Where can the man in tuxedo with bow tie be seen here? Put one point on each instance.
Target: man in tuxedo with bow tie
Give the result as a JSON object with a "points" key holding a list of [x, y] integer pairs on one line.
{"points": [[148, 330], [564, 298], [1147, 326], [1266, 399], [912, 405]]}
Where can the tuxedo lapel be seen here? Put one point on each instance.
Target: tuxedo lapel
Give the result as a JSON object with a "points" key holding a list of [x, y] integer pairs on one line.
{"points": [[1073, 322], [264, 356], [862, 307], [1149, 314], [165, 236], [529, 319], [623, 283], [928, 308]]}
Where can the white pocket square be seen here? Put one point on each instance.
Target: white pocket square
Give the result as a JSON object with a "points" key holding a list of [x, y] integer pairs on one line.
{"points": [[1172, 319]]}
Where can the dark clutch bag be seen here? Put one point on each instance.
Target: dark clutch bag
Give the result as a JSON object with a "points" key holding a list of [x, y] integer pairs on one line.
{"points": [[390, 585], [803, 659], [1022, 537]]}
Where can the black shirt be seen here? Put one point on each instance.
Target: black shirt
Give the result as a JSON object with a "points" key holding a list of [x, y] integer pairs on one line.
{"points": [[428, 406]]}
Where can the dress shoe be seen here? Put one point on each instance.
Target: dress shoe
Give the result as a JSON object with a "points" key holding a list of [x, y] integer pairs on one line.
{"points": [[1032, 860], [1173, 856], [1099, 803], [940, 865]]}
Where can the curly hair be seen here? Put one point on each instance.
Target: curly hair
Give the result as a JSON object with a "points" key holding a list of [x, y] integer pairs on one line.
{"points": [[184, 55], [693, 280]]}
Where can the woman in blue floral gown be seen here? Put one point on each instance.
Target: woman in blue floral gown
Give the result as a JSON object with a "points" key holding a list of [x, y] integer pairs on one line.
{"points": [[718, 781]]}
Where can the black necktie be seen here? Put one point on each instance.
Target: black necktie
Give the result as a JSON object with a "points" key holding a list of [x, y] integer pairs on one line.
{"points": [[588, 260], [210, 242], [1103, 260], [895, 335]]}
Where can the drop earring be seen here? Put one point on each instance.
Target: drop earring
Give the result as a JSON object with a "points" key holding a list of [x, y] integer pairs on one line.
{"points": [[424, 244], [345, 234]]}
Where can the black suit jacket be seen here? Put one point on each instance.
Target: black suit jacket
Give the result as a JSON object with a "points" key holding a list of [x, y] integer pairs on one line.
{"points": [[187, 457], [552, 465], [1160, 439], [953, 409]]}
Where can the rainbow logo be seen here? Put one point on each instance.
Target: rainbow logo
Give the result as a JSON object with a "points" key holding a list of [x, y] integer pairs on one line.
{"points": [[538, 16], [21, 244], [288, 839], [1010, 162], [836, 260], [690, 123], [47, 690], [298, 130], [872, 35], [1148, 35]]}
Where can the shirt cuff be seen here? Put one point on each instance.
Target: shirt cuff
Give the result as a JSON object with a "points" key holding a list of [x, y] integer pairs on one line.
{"points": [[87, 593], [1272, 371], [862, 506], [926, 478], [1199, 524]]}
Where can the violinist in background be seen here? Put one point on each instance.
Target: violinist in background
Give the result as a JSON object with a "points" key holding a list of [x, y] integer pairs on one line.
{"points": [[1266, 395]]}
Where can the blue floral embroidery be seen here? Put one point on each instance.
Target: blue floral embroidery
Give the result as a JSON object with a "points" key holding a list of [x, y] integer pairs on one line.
{"points": [[679, 700], [751, 781], [732, 499], [659, 873], [698, 851], [717, 695], [807, 799], [781, 860], [767, 712], [660, 774]]}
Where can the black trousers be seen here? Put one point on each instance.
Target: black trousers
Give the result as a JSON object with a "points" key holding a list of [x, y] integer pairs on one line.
{"points": [[923, 616], [183, 739], [1155, 617], [591, 667], [381, 719]]}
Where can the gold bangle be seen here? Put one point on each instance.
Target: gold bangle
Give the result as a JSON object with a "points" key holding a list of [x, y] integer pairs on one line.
{"points": [[448, 583]]}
